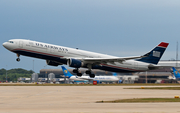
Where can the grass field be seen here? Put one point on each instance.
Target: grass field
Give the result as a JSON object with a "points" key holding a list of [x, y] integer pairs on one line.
{"points": [[142, 100], [46, 84], [157, 88]]}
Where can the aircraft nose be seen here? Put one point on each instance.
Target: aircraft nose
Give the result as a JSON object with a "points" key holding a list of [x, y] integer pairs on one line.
{"points": [[4, 44]]}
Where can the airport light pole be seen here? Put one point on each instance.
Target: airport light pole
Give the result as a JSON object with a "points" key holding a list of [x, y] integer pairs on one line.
{"points": [[33, 65], [177, 55], [47, 77], [146, 77]]}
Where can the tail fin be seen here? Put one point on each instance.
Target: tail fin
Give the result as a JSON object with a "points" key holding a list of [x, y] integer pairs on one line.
{"points": [[176, 73], [114, 74], [155, 55], [66, 72]]}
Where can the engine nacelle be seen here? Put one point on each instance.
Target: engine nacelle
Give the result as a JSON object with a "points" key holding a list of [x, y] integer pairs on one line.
{"points": [[74, 63], [52, 63]]}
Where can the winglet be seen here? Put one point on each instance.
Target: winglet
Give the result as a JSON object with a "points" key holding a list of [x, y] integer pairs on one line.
{"points": [[66, 72]]}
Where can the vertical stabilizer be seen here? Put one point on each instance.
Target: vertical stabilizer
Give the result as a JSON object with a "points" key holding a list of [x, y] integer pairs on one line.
{"points": [[155, 55], [114, 74], [66, 72], [176, 73]]}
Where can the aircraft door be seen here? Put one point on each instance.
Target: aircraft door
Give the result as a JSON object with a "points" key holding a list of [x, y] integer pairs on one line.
{"points": [[51, 50], [21, 44], [135, 65]]}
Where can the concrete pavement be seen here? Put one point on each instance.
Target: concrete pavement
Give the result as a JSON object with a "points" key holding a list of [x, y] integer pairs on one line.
{"points": [[81, 99]]}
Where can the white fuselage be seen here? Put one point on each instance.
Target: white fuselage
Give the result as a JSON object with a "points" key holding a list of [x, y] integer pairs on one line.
{"points": [[97, 78], [58, 53]]}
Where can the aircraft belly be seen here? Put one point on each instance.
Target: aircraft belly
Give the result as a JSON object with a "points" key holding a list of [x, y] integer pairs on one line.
{"points": [[118, 68], [39, 55]]}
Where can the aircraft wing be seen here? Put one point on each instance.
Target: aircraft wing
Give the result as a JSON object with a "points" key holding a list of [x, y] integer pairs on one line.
{"points": [[106, 60]]}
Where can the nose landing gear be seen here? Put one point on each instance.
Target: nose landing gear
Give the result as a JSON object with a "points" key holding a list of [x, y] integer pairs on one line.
{"points": [[18, 59]]}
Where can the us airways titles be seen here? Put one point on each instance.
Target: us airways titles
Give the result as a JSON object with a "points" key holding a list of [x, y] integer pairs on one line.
{"points": [[53, 47]]}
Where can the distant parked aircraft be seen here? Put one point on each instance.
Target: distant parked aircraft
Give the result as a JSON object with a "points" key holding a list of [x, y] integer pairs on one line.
{"points": [[176, 75], [58, 55], [99, 79]]}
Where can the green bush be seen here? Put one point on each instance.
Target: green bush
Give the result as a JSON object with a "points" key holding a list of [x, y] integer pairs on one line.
{"points": [[14, 74]]}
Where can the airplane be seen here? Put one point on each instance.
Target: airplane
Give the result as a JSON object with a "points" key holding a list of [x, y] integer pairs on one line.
{"points": [[72, 77], [176, 75], [99, 79], [172, 77], [76, 58]]}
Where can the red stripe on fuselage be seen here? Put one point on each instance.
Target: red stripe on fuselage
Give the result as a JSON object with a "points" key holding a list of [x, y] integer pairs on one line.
{"points": [[36, 52], [121, 68]]}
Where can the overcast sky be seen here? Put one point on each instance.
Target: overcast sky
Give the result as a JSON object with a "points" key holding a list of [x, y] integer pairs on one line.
{"points": [[115, 27]]}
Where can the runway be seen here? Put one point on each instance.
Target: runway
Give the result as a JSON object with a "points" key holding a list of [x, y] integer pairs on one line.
{"points": [[81, 99]]}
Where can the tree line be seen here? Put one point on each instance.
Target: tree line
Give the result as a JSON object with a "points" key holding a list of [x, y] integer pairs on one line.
{"points": [[14, 74]]}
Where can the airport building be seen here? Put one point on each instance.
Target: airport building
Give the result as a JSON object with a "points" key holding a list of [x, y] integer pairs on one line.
{"points": [[143, 77], [154, 76], [160, 75]]}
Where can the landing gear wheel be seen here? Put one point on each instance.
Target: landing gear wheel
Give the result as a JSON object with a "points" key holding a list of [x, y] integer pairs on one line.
{"points": [[18, 59], [79, 74], [92, 75], [88, 72], [75, 71]]}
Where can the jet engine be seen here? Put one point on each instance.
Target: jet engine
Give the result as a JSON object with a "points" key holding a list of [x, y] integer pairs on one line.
{"points": [[52, 63], [74, 63]]}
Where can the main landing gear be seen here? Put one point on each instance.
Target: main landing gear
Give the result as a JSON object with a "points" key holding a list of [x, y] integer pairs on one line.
{"points": [[90, 73], [77, 72], [87, 72], [18, 59]]}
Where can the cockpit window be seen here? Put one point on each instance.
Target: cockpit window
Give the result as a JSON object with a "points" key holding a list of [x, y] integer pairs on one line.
{"points": [[11, 42]]}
